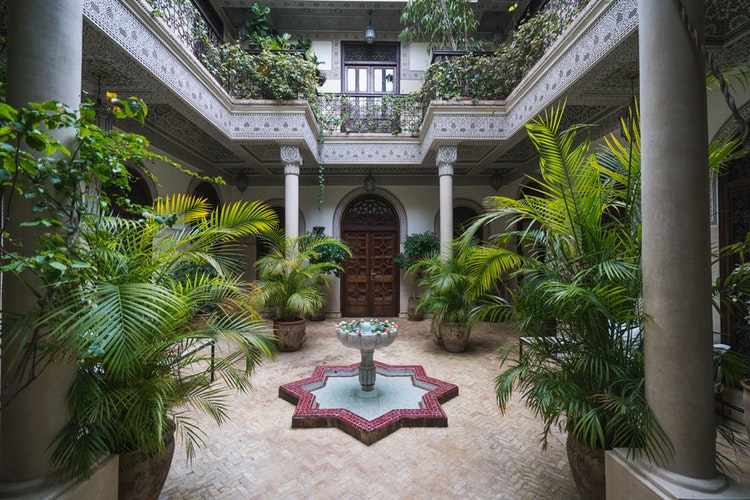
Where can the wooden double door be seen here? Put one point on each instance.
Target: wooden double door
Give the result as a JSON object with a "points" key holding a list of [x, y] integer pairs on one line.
{"points": [[370, 284]]}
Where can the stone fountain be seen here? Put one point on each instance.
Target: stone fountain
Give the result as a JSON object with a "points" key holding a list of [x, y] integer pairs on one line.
{"points": [[367, 341], [348, 397]]}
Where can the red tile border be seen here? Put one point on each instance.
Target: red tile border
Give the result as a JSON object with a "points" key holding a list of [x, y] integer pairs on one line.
{"points": [[368, 431]]}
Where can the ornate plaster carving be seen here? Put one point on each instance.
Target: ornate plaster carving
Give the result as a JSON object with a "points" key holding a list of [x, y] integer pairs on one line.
{"points": [[446, 157], [290, 156]]}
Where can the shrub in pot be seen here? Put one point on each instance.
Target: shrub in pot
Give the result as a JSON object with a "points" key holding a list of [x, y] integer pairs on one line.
{"points": [[450, 296], [581, 272], [158, 293], [290, 283], [417, 246]]}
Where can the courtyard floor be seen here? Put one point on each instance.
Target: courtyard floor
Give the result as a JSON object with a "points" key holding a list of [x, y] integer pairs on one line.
{"points": [[481, 454]]}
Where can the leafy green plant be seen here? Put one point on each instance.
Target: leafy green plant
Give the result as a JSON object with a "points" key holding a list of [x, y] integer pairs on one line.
{"points": [[54, 180], [579, 289], [581, 271], [265, 75], [329, 252], [449, 289], [495, 77], [156, 291], [288, 280], [444, 24]]}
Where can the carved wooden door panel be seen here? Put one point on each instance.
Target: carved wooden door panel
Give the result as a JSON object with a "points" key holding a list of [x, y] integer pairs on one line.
{"points": [[734, 220], [370, 281]]}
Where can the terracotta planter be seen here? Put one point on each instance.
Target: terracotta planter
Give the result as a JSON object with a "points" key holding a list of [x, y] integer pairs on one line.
{"points": [[144, 479], [454, 336], [746, 404], [318, 315], [289, 335], [411, 310], [587, 466]]}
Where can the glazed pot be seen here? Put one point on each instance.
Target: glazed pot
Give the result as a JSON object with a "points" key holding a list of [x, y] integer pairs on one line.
{"points": [[289, 335]]}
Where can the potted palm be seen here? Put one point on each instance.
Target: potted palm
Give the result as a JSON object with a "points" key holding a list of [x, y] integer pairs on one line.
{"points": [[417, 246], [290, 283], [449, 296], [159, 313], [580, 273]]}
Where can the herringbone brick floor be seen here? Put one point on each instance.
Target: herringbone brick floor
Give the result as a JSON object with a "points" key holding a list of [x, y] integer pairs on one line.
{"points": [[481, 454]]}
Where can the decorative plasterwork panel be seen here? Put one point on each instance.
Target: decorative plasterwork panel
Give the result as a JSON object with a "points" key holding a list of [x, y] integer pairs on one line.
{"points": [[370, 153], [129, 33], [726, 19], [617, 23]]}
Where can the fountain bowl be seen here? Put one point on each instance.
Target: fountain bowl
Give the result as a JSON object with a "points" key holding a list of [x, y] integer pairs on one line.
{"points": [[366, 335]]}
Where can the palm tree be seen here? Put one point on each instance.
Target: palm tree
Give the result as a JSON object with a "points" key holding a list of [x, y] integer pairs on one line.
{"points": [[156, 292], [578, 277], [290, 277]]}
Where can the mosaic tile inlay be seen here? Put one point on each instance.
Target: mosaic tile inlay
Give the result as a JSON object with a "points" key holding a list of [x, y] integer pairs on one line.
{"points": [[425, 412]]}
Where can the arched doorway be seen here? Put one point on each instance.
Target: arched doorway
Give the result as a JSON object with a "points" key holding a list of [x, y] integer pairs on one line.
{"points": [[370, 284], [734, 224]]}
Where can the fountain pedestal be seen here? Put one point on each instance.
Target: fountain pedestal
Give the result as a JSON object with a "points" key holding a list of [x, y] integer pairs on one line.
{"points": [[367, 336]]}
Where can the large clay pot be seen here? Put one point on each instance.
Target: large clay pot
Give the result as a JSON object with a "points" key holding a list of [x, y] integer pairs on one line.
{"points": [[411, 311], [144, 478], [289, 335], [746, 404], [454, 336], [318, 315], [587, 465]]}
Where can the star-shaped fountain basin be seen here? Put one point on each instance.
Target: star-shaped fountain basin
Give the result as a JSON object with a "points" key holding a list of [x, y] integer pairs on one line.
{"points": [[404, 396]]}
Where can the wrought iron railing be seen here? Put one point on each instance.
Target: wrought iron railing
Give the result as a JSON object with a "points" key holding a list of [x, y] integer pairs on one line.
{"points": [[369, 113], [185, 21], [361, 113]]}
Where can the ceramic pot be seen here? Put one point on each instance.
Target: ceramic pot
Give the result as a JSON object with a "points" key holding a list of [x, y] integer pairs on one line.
{"points": [[587, 465], [454, 336], [289, 335], [144, 478], [411, 310]]}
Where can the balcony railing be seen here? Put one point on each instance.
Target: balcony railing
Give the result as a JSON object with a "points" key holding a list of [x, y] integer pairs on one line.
{"points": [[184, 20], [369, 113]]}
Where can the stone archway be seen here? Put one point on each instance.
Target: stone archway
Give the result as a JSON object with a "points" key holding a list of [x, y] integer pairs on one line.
{"points": [[370, 225]]}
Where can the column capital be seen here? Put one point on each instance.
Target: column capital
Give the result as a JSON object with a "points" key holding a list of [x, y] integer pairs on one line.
{"points": [[291, 169], [290, 156], [446, 157]]}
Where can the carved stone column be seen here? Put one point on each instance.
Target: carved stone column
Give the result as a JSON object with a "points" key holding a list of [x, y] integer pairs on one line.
{"points": [[292, 160], [676, 263], [45, 43], [446, 158]]}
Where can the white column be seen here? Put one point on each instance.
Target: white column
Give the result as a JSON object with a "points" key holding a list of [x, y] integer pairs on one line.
{"points": [[446, 158], [292, 160], [676, 263], [676, 236], [44, 63]]}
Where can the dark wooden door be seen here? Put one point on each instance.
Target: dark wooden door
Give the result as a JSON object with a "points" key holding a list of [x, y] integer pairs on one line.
{"points": [[734, 220], [371, 280]]}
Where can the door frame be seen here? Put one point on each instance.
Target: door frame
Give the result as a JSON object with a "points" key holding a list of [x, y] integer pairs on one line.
{"points": [[338, 215]]}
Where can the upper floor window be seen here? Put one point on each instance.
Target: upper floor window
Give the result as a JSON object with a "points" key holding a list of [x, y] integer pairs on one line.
{"points": [[370, 69]]}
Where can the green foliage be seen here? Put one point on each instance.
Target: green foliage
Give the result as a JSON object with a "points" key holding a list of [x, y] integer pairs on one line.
{"points": [[417, 246], [579, 279], [266, 75], [495, 77], [53, 179], [442, 23], [156, 290], [449, 289], [288, 279], [328, 252]]}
